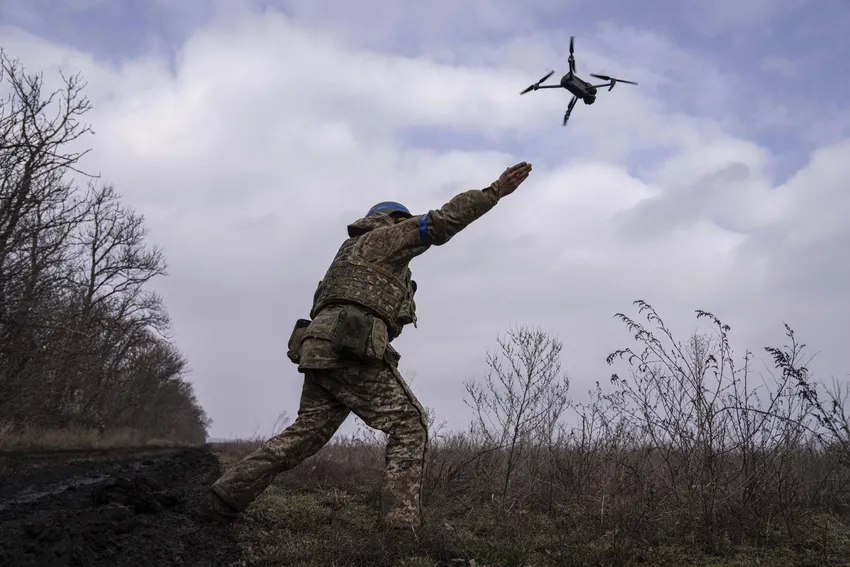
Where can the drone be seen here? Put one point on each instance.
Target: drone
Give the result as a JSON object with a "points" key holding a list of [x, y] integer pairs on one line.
{"points": [[579, 88]]}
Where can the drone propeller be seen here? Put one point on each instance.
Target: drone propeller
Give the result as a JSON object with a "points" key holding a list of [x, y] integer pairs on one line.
{"points": [[613, 80], [571, 59], [536, 85]]}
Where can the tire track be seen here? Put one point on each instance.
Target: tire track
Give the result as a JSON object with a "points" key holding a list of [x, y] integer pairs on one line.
{"points": [[116, 508]]}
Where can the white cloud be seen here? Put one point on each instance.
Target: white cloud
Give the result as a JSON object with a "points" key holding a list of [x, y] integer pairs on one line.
{"points": [[250, 157], [720, 14]]}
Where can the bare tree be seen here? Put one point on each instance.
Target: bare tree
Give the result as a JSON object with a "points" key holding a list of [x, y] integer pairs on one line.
{"points": [[522, 396], [83, 339], [117, 263], [38, 210]]}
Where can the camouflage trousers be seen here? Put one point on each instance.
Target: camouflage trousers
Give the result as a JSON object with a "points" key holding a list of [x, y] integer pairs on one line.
{"points": [[378, 395]]}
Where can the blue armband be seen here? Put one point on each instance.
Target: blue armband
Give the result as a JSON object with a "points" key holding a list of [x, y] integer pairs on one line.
{"points": [[423, 230]]}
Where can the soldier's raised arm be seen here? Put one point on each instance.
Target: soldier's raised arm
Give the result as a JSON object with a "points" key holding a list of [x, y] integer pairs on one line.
{"points": [[401, 242]]}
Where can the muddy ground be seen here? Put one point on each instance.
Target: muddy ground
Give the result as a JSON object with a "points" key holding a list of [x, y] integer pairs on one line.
{"points": [[110, 508]]}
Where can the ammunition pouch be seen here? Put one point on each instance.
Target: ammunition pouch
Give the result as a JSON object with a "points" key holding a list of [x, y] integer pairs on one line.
{"points": [[359, 335], [407, 311], [296, 339], [391, 356]]}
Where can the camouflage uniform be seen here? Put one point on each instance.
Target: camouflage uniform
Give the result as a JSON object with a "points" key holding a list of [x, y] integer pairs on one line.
{"points": [[369, 275]]}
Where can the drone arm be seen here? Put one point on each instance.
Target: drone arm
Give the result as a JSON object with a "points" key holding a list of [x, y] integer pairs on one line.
{"points": [[550, 87], [570, 109], [600, 86]]}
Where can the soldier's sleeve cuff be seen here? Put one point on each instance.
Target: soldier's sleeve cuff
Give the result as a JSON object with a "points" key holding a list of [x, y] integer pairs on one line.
{"points": [[493, 189]]}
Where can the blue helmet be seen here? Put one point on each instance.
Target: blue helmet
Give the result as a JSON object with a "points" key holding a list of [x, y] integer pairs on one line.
{"points": [[391, 208]]}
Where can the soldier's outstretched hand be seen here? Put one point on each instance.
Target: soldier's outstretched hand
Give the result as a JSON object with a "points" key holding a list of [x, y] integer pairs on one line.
{"points": [[513, 177]]}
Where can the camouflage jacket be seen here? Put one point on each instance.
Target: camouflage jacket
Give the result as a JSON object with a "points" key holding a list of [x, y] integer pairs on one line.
{"points": [[394, 246]]}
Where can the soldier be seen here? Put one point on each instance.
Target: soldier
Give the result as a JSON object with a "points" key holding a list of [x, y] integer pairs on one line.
{"points": [[349, 365]]}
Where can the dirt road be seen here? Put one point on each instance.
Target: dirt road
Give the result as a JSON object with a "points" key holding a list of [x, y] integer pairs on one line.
{"points": [[109, 508]]}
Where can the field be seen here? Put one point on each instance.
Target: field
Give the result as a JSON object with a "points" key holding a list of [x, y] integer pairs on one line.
{"points": [[325, 514], [686, 460], [135, 506]]}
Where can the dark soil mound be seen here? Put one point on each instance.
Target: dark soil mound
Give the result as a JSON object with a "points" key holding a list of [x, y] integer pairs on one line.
{"points": [[129, 513]]}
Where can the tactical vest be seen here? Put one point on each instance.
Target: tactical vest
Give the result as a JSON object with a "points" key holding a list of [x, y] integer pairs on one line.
{"points": [[352, 280]]}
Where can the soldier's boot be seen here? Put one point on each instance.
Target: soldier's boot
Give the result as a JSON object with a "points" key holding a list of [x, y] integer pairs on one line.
{"points": [[319, 416], [401, 539], [213, 509]]}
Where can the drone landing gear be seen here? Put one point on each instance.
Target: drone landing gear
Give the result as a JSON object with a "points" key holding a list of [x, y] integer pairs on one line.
{"points": [[570, 109]]}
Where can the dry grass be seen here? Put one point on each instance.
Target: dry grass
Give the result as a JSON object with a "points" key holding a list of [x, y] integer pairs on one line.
{"points": [[325, 512], [686, 459], [16, 437]]}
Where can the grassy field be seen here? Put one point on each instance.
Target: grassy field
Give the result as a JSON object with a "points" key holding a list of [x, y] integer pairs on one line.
{"points": [[325, 512], [686, 456]]}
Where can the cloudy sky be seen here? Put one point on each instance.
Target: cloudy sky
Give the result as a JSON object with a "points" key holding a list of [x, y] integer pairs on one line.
{"points": [[250, 133]]}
